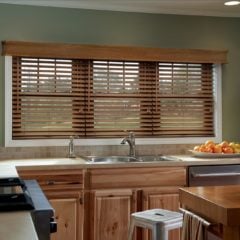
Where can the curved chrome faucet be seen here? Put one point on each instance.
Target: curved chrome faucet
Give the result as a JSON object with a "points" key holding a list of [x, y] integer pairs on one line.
{"points": [[130, 139]]}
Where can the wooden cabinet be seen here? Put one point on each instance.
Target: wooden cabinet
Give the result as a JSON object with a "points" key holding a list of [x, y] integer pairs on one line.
{"points": [[96, 203], [66, 217], [110, 213], [64, 189], [116, 193], [165, 198]]}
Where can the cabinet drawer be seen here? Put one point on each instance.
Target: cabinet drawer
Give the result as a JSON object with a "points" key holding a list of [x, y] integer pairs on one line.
{"points": [[137, 177], [57, 179]]}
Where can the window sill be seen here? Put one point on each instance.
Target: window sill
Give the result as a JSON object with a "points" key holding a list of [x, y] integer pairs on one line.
{"points": [[102, 142]]}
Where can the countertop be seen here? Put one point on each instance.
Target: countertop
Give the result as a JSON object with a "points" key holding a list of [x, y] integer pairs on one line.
{"points": [[15, 225], [80, 163], [8, 170]]}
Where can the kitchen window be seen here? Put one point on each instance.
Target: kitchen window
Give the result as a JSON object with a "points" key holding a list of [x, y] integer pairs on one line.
{"points": [[100, 99]]}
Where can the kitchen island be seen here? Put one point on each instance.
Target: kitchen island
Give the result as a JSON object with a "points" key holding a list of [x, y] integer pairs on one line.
{"points": [[217, 204]]}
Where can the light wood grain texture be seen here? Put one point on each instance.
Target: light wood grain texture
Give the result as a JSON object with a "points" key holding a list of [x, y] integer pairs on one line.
{"points": [[219, 204], [56, 179], [64, 190], [137, 177], [60, 50], [99, 202], [66, 217], [165, 198], [154, 187], [111, 211]]}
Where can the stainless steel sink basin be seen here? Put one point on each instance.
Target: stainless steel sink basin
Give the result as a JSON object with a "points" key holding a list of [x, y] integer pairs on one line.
{"points": [[111, 159], [156, 158], [127, 159]]}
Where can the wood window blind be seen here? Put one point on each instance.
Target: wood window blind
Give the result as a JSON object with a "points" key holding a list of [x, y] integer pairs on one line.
{"points": [[57, 97], [43, 98]]}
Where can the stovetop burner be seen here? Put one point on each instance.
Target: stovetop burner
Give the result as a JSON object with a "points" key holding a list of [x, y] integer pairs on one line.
{"points": [[14, 195]]}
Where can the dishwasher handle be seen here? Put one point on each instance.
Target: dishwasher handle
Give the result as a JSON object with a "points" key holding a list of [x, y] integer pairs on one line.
{"points": [[219, 174]]}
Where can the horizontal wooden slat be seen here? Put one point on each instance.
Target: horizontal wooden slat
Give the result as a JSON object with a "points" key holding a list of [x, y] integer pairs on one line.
{"points": [[77, 51]]}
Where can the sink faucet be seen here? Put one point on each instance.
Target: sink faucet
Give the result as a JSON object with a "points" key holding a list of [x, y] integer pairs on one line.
{"points": [[130, 139], [71, 149]]}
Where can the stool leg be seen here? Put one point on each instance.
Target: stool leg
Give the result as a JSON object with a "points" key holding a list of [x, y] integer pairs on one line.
{"points": [[164, 234], [131, 229], [156, 233], [159, 233]]}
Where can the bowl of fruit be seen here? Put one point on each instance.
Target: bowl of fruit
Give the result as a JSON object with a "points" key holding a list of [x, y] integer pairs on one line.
{"points": [[211, 149]]}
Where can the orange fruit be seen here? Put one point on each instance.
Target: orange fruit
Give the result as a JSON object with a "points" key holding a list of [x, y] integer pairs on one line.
{"points": [[224, 144], [217, 149], [202, 148], [228, 150], [209, 149], [196, 148], [210, 143]]}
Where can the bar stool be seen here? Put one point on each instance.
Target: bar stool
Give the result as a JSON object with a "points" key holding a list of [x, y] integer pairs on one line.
{"points": [[160, 221]]}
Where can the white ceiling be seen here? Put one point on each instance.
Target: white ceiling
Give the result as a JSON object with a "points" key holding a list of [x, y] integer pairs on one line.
{"points": [[182, 7]]}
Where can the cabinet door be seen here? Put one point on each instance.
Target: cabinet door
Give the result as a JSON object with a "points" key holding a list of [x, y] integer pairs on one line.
{"points": [[110, 213], [66, 216], [165, 198]]}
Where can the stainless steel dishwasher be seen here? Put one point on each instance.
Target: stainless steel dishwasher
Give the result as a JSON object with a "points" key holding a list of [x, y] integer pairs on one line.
{"points": [[214, 175]]}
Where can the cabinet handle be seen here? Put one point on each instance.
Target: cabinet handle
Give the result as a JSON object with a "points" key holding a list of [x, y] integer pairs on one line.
{"points": [[231, 174], [50, 182]]}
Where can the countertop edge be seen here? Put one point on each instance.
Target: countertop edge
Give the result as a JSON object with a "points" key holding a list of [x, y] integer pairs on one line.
{"points": [[80, 163]]}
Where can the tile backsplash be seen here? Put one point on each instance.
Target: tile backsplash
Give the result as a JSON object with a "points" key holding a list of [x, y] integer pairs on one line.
{"points": [[53, 152]]}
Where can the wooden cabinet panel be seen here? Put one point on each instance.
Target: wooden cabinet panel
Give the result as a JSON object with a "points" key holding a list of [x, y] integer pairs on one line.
{"points": [[165, 198], [137, 177], [154, 188], [111, 213], [56, 179], [66, 217]]}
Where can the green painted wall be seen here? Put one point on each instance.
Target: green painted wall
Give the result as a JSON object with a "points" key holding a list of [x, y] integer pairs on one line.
{"points": [[131, 29]]}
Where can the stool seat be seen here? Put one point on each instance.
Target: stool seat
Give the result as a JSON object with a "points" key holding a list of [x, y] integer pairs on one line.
{"points": [[160, 221]]}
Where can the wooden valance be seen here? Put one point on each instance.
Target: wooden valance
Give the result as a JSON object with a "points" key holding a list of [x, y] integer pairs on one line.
{"points": [[79, 51]]}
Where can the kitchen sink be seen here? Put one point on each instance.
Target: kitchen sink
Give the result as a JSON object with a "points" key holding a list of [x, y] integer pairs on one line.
{"points": [[156, 158], [111, 159], [128, 159]]}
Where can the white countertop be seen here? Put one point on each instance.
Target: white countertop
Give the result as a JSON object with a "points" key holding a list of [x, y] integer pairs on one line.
{"points": [[17, 225], [80, 163], [8, 171]]}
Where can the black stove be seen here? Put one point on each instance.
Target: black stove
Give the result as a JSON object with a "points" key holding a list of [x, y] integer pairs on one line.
{"points": [[17, 195], [14, 195]]}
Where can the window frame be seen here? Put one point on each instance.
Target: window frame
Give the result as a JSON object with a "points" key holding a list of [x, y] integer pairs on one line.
{"points": [[9, 142]]}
